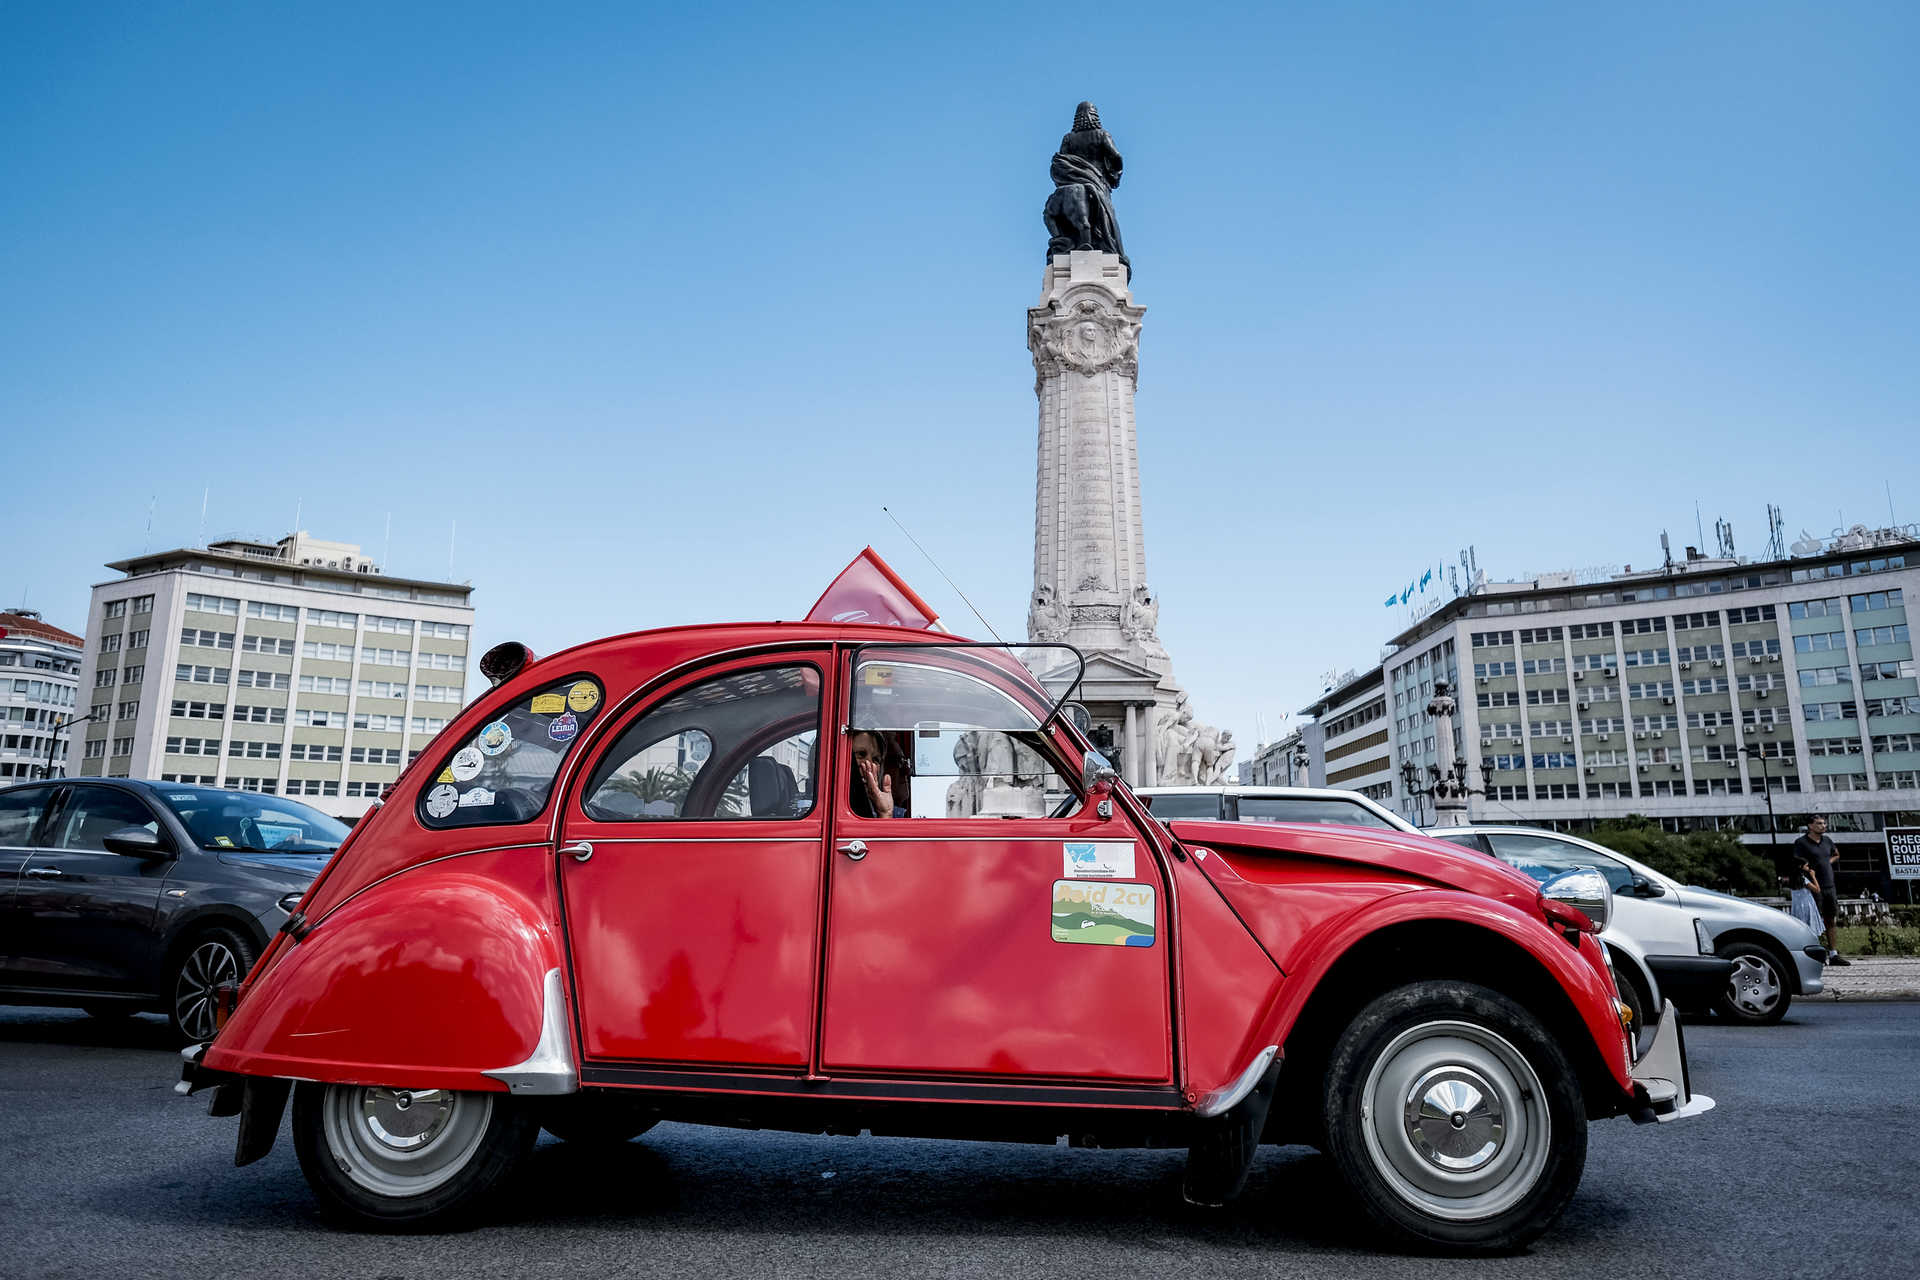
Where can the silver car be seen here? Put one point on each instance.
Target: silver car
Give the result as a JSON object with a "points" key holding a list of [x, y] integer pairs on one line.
{"points": [[1696, 947]]}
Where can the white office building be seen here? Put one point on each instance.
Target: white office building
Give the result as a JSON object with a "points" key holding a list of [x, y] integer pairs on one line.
{"points": [[39, 681], [292, 668]]}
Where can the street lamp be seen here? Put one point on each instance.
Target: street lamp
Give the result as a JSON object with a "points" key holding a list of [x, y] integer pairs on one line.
{"points": [[1752, 749], [1300, 763], [53, 734]]}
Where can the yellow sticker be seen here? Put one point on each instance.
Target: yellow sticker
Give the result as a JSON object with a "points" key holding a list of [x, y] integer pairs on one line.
{"points": [[584, 696], [546, 704], [223, 842], [877, 677], [446, 775]]}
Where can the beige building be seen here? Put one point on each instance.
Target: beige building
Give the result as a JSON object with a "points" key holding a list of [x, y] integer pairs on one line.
{"points": [[293, 668]]}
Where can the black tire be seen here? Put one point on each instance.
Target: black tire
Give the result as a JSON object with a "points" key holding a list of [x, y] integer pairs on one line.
{"points": [[1442, 1174], [1757, 994], [361, 1183], [205, 960], [596, 1119]]}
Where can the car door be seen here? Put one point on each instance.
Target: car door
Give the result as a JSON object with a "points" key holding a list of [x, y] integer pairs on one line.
{"points": [[86, 914], [976, 932], [1656, 925], [693, 892], [21, 811]]}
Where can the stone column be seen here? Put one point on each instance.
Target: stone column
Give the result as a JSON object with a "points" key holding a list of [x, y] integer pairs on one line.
{"points": [[1450, 788], [1132, 742], [1150, 769]]}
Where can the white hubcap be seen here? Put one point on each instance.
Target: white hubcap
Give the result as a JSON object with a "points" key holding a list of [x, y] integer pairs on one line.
{"points": [[403, 1142]]}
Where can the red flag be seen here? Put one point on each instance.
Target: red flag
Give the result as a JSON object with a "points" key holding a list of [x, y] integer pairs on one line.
{"points": [[868, 590]]}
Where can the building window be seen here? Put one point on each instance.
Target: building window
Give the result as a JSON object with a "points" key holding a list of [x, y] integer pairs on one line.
{"points": [[213, 604], [273, 612], [1876, 600], [264, 679], [115, 609], [280, 645], [191, 674]]}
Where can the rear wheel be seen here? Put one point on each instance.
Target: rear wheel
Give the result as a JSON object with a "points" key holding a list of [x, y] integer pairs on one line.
{"points": [[209, 959], [399, 1158], [1456, 1117], [1757, 992]]}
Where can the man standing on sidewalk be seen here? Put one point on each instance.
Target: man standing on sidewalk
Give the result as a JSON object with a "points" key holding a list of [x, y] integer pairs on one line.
{"points": [[1818, 852]]}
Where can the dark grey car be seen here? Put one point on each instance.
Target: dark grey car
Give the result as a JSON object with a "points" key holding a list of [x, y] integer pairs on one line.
{"points": [[119, 895]]}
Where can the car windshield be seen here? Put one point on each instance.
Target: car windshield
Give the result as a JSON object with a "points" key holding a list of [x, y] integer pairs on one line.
{"points": [[1309, 809], [240, 820]]}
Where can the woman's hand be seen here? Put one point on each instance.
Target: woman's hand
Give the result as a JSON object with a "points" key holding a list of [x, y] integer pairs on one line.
{"points": [[879, 787]]}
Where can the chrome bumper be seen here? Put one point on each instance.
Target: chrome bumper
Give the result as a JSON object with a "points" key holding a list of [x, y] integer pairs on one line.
{"points": [[1661, 1090]]}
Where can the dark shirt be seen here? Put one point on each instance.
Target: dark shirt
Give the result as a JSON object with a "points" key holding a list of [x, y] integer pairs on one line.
{"points": [[1819, 857]]}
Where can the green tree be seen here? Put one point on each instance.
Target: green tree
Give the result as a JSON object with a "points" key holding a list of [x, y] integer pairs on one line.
{"points": [[1710, 859]]}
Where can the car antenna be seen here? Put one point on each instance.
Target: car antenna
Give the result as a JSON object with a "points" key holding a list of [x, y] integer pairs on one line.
{"points": [[943, 573]]}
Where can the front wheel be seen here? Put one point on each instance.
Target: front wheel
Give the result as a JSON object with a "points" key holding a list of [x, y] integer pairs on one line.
{"points": [[407, 1158], [1455, 1117], [208, 960], [1757, 992]]}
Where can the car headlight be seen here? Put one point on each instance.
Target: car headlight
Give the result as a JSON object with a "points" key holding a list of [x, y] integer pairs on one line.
{"points": [[291, 903], [1702, 937], [1583, 889]]}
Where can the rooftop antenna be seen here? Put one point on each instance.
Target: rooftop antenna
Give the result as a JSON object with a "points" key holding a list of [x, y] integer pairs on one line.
{"points": [[298, 504], [943, 573], [1890, 519], [1666, 553], [1776, 533], [1699, 530], [148, 545], [204, 493], [1723, 534]]}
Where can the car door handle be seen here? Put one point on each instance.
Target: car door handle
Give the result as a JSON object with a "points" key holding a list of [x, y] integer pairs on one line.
{"points": [[43, 873], [854, 849], [580, 850]]}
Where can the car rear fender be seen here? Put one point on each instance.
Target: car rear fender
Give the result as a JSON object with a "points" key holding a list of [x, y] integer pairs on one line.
{"points": [[450, 974]]}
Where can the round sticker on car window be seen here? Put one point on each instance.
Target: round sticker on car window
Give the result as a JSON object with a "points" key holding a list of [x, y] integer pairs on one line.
{"points": [[442, 800], [466, 765], [584, 696], [495, 738]]}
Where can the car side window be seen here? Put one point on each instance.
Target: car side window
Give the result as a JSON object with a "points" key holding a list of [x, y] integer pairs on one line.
{"points": [[1168, 807], [504, 772], [740, 746], [951, 745], [92, 814], [1465, 840], [1554, 856], [1309, 809], [20, 814]]}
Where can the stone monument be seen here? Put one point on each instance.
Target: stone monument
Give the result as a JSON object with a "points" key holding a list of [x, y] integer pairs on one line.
{"points": [[1090, 584]]}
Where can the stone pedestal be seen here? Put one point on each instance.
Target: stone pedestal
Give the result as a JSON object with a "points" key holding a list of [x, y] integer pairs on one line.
{"points": [[1089, 551]]}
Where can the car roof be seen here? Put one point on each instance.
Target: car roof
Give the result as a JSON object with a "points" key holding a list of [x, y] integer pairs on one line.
{"points": [[1233, 788]]}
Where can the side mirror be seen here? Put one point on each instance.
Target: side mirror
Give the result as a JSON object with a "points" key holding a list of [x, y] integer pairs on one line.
{"points": [[1583, 889], [1097, 772], [138, 842], [1645, 888]]}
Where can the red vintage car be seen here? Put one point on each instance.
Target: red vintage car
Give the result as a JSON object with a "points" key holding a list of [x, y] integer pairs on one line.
{"points": [[843, 878]]}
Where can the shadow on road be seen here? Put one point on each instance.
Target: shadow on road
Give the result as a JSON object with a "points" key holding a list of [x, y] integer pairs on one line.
{"points": [[73, 1027]]}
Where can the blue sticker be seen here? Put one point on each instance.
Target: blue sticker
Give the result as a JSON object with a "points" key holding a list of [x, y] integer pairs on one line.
{"points": [[563, 727], [495, 738]]}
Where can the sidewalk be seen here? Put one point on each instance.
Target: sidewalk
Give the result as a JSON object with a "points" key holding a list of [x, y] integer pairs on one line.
{"points": [[1873, 978]]}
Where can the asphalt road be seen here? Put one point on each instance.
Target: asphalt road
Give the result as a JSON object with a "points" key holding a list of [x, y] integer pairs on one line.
{"points": [[1806, 1169]]}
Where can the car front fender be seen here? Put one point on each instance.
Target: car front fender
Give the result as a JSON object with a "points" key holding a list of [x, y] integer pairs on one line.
{"points": [[447, 975]]}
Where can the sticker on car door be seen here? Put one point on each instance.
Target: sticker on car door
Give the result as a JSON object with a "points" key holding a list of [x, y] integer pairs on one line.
{"points": [[1103, 915], [1097, 859]]}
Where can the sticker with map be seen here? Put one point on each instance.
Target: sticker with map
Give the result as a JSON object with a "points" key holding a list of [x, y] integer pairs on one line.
{"points": [[1104, 915]]}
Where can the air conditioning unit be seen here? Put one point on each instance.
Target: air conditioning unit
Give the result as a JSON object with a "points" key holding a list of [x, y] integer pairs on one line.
{"points": [[1606, 737], [1718, 663], [1591, 770], [1667, 700], [1640, 735], [1761, 694], [1586, 706], [1607, 672], [1686, 666], [1658, 733], [1579, 675], [1486, 742], [1483, 679], [1773, 657], [1754, 659], [1566, 737], [1645, 767], [1673, 768]]}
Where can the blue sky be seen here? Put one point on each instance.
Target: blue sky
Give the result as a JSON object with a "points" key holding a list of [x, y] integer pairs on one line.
{"points": [[662, 306]]}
